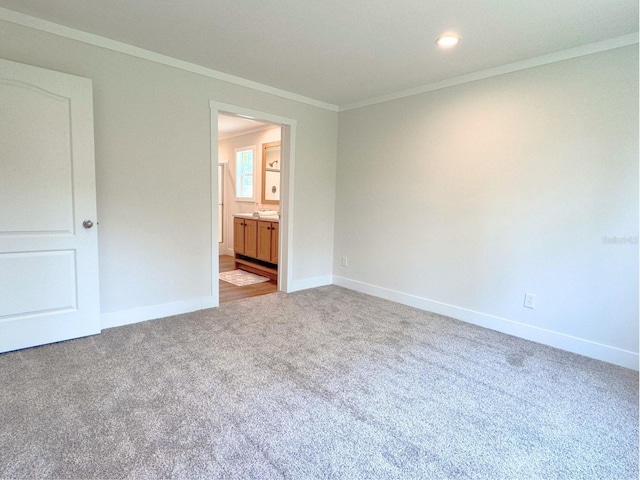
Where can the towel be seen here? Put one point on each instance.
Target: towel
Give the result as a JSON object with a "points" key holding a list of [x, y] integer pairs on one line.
{"points": [[266, 213]]}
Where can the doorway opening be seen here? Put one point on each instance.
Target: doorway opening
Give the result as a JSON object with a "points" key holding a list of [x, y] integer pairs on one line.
{"points": [[252, 160]]}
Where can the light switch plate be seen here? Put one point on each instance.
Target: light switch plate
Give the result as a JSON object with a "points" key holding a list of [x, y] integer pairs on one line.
{"points": [[529, 300]]}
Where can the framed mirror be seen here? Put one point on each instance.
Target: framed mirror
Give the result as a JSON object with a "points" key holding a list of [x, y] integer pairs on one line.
{"points": [[271, 159]]}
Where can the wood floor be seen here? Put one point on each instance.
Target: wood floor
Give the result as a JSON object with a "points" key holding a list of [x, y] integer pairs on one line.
{"points": [[229, 292]]}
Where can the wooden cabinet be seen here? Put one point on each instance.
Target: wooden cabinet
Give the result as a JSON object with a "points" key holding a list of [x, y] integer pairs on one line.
{"points": [[238, 235], [245, 233], [255, 243], [268, 242]]}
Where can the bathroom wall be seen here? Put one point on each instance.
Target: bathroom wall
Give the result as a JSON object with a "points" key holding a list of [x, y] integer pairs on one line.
{"points": [[226, 155]]}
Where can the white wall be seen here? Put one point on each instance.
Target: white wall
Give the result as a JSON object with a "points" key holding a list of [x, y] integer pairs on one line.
{"points": [[153, 166], [461, 200], [226, 154]]}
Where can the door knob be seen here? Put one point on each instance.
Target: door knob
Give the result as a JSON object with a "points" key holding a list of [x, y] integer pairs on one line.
{"points": [[87, 224]]}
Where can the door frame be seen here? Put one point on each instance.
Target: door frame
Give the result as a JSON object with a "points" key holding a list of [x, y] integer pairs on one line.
{"points": [[288, 151], [221, 223]]}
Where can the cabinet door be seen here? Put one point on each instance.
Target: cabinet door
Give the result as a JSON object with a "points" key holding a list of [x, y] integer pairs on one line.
{"points": [[251, 238], [238, 235], [275, 229], [264, 241]]}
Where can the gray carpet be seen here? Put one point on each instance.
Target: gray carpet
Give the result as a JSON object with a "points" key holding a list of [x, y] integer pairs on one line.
{"points": [[324, 383]]}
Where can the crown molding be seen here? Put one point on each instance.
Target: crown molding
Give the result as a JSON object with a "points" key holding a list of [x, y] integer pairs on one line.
{"points": [[583, 50], [107, 43]]}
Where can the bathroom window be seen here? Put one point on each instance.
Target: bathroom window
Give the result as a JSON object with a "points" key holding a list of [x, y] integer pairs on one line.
{"points": [[245, 168]]}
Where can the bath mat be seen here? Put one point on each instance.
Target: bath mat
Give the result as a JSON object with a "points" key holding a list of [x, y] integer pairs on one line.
{"points": [[241, 278]]}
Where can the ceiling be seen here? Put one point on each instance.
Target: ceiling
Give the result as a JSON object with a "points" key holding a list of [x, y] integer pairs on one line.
{"points": [[229, 126], [344, 51]]}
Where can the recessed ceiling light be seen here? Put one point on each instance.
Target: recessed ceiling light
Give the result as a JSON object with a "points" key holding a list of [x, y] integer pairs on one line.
{"points": [[448, 40]]}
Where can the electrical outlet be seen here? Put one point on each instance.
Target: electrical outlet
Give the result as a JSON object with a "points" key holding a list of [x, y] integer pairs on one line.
{"points": [[529, 300], [345, 263]]}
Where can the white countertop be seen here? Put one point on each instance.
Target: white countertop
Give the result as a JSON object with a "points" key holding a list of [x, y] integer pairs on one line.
{"points": [[250, 216]]}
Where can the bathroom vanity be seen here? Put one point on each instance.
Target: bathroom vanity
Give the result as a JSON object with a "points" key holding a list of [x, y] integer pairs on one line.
{"points": [[255, 244]]}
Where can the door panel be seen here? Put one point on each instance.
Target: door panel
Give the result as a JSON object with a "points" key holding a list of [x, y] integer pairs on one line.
{"points": [[48, 261], [264, 241], [251, 238], [55, 282], [275, 239], [238, 236], [36, 181]]}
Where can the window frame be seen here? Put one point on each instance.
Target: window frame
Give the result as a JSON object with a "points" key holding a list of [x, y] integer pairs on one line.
{"points": [[238, 178]]}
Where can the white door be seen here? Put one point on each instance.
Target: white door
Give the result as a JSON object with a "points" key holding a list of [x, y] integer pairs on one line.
{"points": [[48, 259]]}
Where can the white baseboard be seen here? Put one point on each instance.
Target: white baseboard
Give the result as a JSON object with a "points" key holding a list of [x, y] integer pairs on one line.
{"points": [[135, 315], [297, 285], [551, 338]]}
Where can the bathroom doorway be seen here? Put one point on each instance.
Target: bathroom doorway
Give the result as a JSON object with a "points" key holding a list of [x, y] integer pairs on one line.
{"points": [[245, 147]]}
